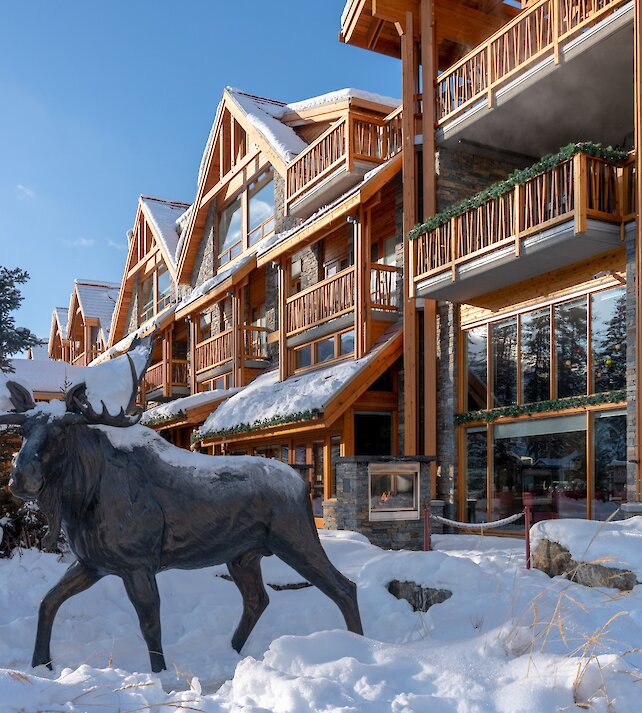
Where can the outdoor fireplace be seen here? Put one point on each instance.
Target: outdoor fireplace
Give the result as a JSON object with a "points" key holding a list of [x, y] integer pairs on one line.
{"points": [[394, 491]]}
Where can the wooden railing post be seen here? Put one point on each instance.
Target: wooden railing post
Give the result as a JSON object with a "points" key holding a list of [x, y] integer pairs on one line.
{"points": [[453, 248], [580, 193], [555, 28], [517, 217]]}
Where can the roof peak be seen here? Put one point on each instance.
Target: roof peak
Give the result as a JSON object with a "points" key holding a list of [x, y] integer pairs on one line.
{"points": [[168, 201]]}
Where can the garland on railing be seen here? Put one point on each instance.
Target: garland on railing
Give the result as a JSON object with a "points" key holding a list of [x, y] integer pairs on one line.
{"points": [[517, 178], [155, 420], [257, 425], [608, 397]]}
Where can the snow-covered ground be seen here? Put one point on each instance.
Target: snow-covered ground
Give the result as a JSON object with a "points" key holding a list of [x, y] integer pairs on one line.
{"points": [[507, 640]]}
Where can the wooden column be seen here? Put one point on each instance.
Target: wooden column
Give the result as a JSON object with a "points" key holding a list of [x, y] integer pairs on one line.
{"points": [[638, 252], [192, 353], [428, 76], [359, 286], [283, 325], [409, 85]]}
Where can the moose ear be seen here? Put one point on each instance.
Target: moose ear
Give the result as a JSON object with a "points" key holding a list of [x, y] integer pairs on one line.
{"points": [[21, 399]]}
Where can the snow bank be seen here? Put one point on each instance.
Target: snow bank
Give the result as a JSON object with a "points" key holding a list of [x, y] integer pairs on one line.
{"points": [[488, 648], [173, 409], [51, 377], [613, 544]]}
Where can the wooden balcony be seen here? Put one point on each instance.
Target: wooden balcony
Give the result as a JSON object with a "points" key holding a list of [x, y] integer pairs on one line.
{"points": [[383, 288], [535, 34], [166, 379], [255, 342], [316, 305], [213, 352], [571, 212], [85, 358], [339, 158]]}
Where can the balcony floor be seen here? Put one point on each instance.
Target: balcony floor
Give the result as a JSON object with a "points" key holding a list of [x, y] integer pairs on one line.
{"points": [[541, 253], [587, 97]]}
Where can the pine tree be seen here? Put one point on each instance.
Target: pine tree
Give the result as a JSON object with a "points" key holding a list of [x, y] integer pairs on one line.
{"points": [[13, 340]]}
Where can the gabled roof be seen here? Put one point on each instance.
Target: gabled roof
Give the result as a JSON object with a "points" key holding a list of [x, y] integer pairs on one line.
{"points": [[267, 123], [321, 395], [163, 216], [59, 318], [96, 300], [166, 220]]}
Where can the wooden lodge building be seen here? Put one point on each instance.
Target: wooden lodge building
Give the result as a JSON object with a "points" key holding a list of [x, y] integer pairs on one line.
{"points": [[451, 278]]}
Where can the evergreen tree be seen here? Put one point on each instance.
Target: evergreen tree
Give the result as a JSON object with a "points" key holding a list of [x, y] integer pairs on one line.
{"points": [[13, 340]]}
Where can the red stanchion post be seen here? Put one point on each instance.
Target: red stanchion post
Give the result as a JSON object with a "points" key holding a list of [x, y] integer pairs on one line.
{"points": [[527, 528], [427, 526]]}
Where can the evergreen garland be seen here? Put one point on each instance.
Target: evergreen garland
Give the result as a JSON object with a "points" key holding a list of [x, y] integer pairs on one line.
{"points": [[155, 420], [516, 178], [257, 425], [608, 397]]}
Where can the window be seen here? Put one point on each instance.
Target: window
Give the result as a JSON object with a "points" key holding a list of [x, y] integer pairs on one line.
{"points": [[504, 360], [523, 346], [609, 444], [571, 347], [346, 343], [164, 289], [147, 298], [204, 326], [476, 468], [324, 350], [535, 344], [247, 219], [261, 208], [477, 359], [230, 235], [303, 356]]}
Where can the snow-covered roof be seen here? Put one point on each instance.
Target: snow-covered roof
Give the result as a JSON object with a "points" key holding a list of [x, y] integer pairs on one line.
{"points": [[266, 399], [264, 114], [164, 216], [42, 376], [174, 409], [61, 315], [96, 300], [341, 95]]}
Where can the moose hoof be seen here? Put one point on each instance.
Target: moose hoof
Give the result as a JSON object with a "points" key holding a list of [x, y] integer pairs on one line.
{"points": [[41, 661], [158, 663]]}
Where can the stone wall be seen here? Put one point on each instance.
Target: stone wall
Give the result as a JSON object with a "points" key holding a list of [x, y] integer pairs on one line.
{"points": [[205, 264], [132, 314], [632, 451], [447, 388], [461, 174], [350, 510]]}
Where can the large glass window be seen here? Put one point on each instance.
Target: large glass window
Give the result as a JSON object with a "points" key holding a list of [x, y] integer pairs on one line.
{"points": [[230, 232], [261, 208], [477, 360], [608, 339], [570, 332], [476, 471], [541, 463], [164, 289], [535, 342], [504, 357], [147, 298], [609, 445]]}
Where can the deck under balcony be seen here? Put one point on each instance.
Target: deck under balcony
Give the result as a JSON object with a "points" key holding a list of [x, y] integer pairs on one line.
{"points": [[571, 212], [339, 158], [559, 70]]}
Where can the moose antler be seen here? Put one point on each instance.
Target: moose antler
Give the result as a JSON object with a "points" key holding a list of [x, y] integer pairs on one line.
{"points": [[104, 418], [22, 401]]}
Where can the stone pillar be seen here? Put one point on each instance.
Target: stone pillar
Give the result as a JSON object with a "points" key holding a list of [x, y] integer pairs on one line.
{"points": [[632, 450]]}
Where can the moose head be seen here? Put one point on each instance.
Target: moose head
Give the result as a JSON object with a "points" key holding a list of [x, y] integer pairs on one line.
{"points": [[42, 427]]}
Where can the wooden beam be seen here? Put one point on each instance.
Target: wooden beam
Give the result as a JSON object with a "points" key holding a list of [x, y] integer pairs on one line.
{"points": [[637, 25], [284, 285], [409, 89]]}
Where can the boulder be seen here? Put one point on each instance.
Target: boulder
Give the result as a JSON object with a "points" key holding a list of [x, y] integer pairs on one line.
{"points": [[420, 598], [554, 559]]}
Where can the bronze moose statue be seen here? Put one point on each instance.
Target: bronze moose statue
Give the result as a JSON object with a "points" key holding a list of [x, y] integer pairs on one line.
{"points": [[133, 505]]}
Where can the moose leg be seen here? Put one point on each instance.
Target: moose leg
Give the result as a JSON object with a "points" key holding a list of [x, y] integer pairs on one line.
{"points": [[309, 559], [143, 594], [246, 573], [76, 579]]}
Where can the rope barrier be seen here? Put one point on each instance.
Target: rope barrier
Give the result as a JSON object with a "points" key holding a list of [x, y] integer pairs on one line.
{"points": [[477, 525]]}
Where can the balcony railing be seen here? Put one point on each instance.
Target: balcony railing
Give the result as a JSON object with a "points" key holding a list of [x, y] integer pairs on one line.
{"points": [[213, 351], [154, 377], [86, 357], [179, 372], [383, 287], [355, 137], [535, 33], [581, 187], [328, 299], [255, 339]]}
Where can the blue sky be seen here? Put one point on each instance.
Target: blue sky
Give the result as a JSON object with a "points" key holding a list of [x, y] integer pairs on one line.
{"points": [[104, 101]]}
